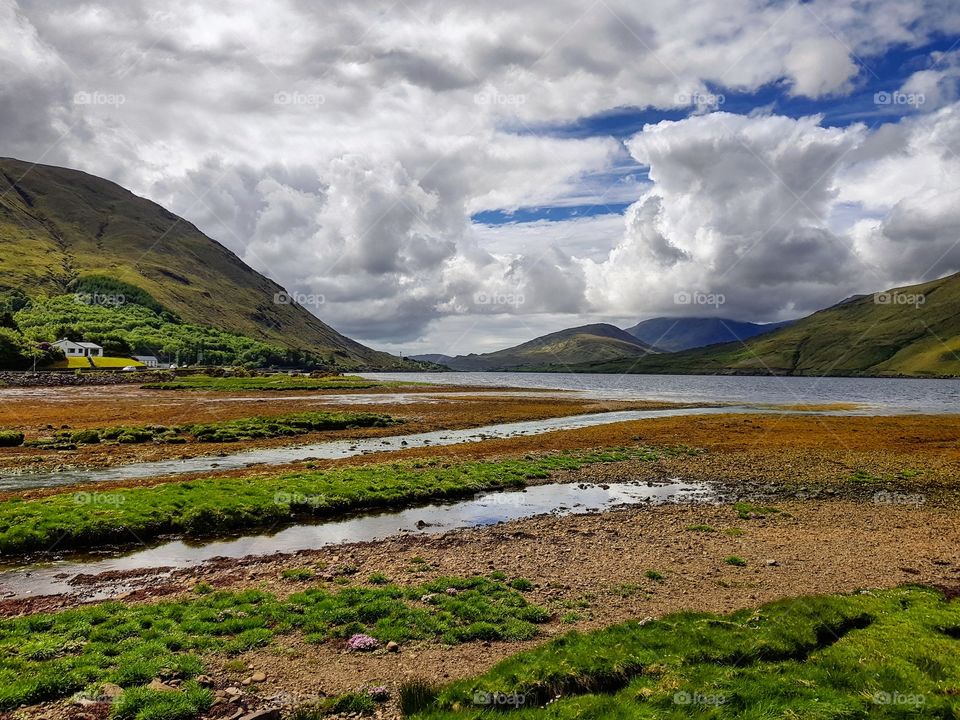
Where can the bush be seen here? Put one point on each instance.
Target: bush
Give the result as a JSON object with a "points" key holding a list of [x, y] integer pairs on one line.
{"points": [[85, 437], [10, 438]]}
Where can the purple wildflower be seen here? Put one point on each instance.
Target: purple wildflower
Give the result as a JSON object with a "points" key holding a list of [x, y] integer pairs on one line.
{"points": [[363, 643]]}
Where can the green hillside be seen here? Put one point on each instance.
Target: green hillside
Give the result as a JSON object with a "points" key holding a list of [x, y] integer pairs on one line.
{"points": [[557, 351], [913, 331], [60, 228]]}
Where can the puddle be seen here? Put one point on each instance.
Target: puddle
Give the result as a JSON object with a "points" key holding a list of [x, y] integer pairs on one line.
{"points": [[335, 449], [482, 510]]}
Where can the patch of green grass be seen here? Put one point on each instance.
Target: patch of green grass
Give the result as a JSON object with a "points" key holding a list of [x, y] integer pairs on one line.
{"points": [[701, 528], [654, 575], [626, 590], [734, 532], [378, 578], [235, 666], [49, 656], [865, 477], [210, 505], [141, 703], [277, 382], [250, 428], [735, 560], [884, 654], [749, 511], [571, 618], [299, 574], [283, 425], [521, 584]]}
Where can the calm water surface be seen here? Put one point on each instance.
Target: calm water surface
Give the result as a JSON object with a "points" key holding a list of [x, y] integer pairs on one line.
{"points": [[884, 395]]}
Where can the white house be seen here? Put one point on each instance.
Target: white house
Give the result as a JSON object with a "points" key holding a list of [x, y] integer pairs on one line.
{"points": [[78, 349], [148, 360]]}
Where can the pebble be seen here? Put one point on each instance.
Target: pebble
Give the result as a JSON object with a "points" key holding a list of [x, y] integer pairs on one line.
{"points": [[160, 686]]}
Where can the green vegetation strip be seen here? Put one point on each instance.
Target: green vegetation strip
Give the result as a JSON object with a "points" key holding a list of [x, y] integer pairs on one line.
{"points": [[884, 654], [50, 656], [271, 382], [251, 428], [137, 325], [205, 506]]}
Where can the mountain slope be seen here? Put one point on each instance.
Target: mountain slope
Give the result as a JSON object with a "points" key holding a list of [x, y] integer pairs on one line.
{"points": [[432, 358], [913, 331], [585, 344], [59, 225], [675, 334]]}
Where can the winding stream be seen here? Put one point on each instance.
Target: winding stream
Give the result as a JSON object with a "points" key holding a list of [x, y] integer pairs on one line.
{"points": [[481, 510], [335, 449]]}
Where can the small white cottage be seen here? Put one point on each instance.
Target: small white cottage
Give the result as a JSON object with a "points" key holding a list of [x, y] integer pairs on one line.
{"points": [[78, 349]]}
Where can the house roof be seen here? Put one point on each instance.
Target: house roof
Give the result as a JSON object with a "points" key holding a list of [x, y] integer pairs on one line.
{"points": [[144, 358], [89, 345]]}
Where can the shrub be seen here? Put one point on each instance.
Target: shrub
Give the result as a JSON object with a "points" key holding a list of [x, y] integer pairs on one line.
{"points": [[86, 437], [416, 695], [10, 438]]}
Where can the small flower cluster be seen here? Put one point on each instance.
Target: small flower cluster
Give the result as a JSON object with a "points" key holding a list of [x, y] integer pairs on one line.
{"points": [[379, 693], [362, 643]]}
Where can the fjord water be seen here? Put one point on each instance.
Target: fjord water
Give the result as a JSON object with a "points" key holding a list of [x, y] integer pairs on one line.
{"points": [[884, 396]]}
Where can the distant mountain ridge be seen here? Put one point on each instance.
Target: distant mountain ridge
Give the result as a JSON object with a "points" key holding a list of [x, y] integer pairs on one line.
{"points": [[584, 344], [676, 334], [58, 226], [911, 331]]}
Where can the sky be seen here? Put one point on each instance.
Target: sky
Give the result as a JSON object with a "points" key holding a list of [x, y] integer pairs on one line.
{"points": [[454, 177]]}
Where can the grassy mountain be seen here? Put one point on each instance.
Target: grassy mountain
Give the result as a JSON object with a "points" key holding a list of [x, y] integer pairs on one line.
{"points": [[675, 334], [556, 351], [61, 227], [913, 331]]}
